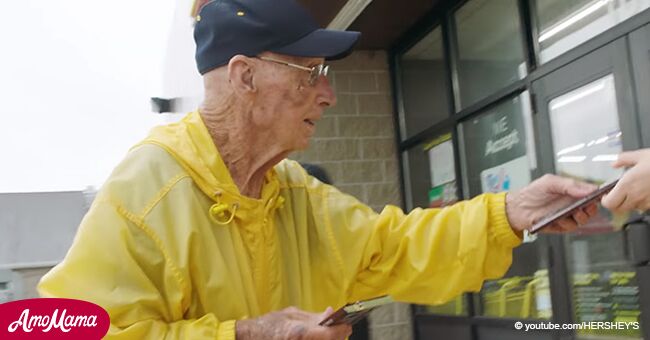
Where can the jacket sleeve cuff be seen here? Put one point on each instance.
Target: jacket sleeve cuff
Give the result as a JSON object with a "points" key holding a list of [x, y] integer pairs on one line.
{"points": [[499, 227], [226, 330]]}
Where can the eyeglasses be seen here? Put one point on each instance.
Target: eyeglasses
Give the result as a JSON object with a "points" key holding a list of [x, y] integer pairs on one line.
{"points": [[314, 72]]}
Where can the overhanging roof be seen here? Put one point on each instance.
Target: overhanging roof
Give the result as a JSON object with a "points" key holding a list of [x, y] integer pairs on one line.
{"points": [[381, 23]]}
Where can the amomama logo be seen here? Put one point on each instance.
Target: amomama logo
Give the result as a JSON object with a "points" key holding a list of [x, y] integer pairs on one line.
{"points": [[52, 319]]}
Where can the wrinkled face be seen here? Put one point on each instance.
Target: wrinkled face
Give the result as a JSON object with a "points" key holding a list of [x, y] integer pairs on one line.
{"points": [[286, 103]]}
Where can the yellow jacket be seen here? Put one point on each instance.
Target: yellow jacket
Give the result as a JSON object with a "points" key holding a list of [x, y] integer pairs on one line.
{"points": [[172, 250]]}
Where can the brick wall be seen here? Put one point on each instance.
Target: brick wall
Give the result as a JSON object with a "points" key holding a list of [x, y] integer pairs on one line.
{"points": [[355, 140], [355, 143]]}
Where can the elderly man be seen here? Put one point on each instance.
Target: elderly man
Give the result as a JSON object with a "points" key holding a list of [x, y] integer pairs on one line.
{"points": [[206, 231]]}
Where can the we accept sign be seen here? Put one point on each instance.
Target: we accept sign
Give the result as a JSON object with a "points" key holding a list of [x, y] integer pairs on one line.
{"points": [[52, 319]]}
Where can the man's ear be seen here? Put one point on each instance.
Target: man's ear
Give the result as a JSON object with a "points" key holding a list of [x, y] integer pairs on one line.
{"points": [[241, 70]]}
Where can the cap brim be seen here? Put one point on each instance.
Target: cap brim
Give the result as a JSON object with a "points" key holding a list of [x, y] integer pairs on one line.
{"points": [[323, 43]]}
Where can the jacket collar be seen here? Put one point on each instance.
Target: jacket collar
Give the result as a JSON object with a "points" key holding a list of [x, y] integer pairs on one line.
{"points": [[190, 143]]}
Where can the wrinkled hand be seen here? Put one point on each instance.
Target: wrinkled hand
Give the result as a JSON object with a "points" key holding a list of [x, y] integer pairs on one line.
{"points": [[547, 195], [291, 324], [633, 189]]}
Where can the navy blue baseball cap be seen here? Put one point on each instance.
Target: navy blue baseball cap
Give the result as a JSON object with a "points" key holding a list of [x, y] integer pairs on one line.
{"points": [[225, 28]]}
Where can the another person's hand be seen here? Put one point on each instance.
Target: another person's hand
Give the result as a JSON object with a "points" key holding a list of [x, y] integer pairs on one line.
{"points": [[547, 195], [291, 324], [633, 189]]}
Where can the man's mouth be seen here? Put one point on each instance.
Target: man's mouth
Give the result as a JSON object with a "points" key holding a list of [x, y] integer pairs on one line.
{"points": [[310, 122]]}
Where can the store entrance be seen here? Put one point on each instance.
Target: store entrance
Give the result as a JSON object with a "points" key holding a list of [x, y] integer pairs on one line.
{"points": [[586, 112]]}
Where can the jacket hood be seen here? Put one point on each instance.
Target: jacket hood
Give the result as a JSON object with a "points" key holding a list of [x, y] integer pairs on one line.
{"points": [[190, 143]]}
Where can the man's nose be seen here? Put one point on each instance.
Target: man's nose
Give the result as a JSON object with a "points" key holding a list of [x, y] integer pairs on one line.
{"points": [[326, 96]]}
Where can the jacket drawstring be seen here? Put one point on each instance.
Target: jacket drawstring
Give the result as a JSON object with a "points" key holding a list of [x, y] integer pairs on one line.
{"points": [[218, 211], [279, 203], [274, 204]]}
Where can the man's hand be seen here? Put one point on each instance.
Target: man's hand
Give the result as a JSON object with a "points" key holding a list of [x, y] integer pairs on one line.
{"points": [[547, 195], [291, 324], [633, 189]]}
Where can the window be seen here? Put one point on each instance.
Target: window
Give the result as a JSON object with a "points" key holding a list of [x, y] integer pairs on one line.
{"points": [[424, 89], [490, 48], [430, 174], [587, 153], [563, 25], [498, 148]]}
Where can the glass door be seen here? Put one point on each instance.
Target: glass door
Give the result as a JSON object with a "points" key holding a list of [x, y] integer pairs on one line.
{"points": [[586, 117]]}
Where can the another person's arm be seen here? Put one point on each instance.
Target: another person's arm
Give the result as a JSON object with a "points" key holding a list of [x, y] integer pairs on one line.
{"points": [[632, 192]]}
